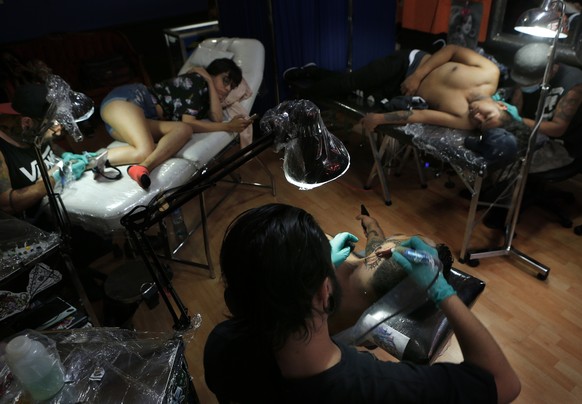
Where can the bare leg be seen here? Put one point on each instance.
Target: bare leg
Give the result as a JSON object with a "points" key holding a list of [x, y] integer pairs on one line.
{"points": [[131, 126], [173, 136]]}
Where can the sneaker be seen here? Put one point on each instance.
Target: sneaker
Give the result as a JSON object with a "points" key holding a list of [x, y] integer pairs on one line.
{"points": [[304, 72], [291, 73], [140, 174], [310, 70]]}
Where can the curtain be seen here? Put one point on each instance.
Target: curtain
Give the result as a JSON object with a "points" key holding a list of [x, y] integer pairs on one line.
{"points": [[308, 31]]}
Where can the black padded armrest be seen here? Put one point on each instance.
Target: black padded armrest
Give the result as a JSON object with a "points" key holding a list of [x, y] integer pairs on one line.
{"points": [[427, 327]]}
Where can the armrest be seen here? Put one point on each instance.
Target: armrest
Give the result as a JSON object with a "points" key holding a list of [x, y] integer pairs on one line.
{"points": [[425, 331]]}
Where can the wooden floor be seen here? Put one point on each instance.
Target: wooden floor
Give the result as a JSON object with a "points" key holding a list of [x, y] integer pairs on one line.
{"points": [[537, 323]]}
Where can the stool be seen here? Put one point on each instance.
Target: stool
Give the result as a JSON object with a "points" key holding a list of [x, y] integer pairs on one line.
{"points": [[124, 289]]}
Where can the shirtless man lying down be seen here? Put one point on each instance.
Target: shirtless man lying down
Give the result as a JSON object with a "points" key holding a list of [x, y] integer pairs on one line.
{"points": [[456, 83]]}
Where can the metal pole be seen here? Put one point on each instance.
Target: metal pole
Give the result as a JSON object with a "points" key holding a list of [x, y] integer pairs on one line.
{"points": [[507, 249], [64, 226]]}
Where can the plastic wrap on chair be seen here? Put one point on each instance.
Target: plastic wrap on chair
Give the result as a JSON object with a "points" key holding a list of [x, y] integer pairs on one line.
{"points": [[203, 147], [418, 335], [21, 243], [112, 365], [447, 145], [99, 204], [313, 155]]}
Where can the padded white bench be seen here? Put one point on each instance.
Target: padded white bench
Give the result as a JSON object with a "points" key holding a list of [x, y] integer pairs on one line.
{"points": [[99, 205]]}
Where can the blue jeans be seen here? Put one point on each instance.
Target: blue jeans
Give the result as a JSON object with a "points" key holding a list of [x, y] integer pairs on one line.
{"points": [[137, 94]]}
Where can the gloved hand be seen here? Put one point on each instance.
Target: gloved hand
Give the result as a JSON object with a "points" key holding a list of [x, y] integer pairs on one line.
{"points": [[423, 267], [78, 168], [90, 155], [68, 156], [341, 246], [56, 173]]}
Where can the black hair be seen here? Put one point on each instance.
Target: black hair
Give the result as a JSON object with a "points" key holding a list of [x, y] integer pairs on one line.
{"points": [[224, 65], [505, 118], [274, 259]]}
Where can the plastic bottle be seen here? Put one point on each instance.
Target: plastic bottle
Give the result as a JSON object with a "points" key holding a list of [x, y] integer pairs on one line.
{"points": [[39, 371], [180, 230]]}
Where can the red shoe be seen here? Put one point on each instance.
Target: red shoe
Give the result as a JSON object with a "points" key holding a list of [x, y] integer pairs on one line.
{"points": [[140, 174]]}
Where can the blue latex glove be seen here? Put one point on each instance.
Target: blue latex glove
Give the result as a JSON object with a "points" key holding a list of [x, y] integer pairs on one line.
{"points": [[78, 168], [421, 262], [341, 246], [68, 156], [90, 155]]}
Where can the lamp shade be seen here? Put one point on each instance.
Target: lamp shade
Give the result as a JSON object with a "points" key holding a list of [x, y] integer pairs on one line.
{"points": [[544, 21], [67, 107], [313, 156]]}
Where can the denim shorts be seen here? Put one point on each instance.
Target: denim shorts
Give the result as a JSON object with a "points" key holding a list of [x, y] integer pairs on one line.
{"points": [[137, 94]]}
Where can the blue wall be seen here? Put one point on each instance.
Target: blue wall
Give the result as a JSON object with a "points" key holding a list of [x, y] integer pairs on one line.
{"points": [[26, 19]]}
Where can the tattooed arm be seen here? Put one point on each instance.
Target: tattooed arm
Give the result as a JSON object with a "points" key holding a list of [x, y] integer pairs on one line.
{"points": [[563, 115], [429, 116], [14, 201], [374, 233]]}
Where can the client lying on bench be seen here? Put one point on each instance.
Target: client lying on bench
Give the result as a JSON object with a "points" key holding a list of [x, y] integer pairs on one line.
{"points": [[364, 281], [456, 83], [380, 306], [167, 113]]}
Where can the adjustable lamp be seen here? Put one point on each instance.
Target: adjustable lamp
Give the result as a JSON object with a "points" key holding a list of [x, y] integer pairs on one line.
{"points": [[547, 22], [313, 155]]}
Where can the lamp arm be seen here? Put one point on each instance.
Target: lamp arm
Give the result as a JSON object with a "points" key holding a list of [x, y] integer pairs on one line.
{"points": [[545, 88], [58, 209]]}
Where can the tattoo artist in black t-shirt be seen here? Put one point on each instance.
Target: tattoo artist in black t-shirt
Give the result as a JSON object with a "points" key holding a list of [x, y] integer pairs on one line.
{"points": [[280, 288]]}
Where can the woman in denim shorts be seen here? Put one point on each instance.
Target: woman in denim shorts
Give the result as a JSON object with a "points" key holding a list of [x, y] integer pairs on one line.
{"points": [[157, 121]]}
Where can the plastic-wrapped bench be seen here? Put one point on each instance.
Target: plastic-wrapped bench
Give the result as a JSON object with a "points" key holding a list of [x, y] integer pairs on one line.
{"points": [[98, 204]]}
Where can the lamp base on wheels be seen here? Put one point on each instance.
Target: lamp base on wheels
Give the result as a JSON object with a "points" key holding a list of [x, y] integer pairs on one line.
{"points": [[541, 270]]}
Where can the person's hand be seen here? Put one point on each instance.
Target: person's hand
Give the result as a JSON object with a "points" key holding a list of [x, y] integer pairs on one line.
{"points": [[341, 246], [239, 123], [410, 85], [201, 71], [92, 155], [71, 157], [78, 168], [421, 262], [370, 121]]}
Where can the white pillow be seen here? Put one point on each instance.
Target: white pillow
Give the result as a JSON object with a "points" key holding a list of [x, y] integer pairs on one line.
{"points": [[239, 93], [203, 56]]}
